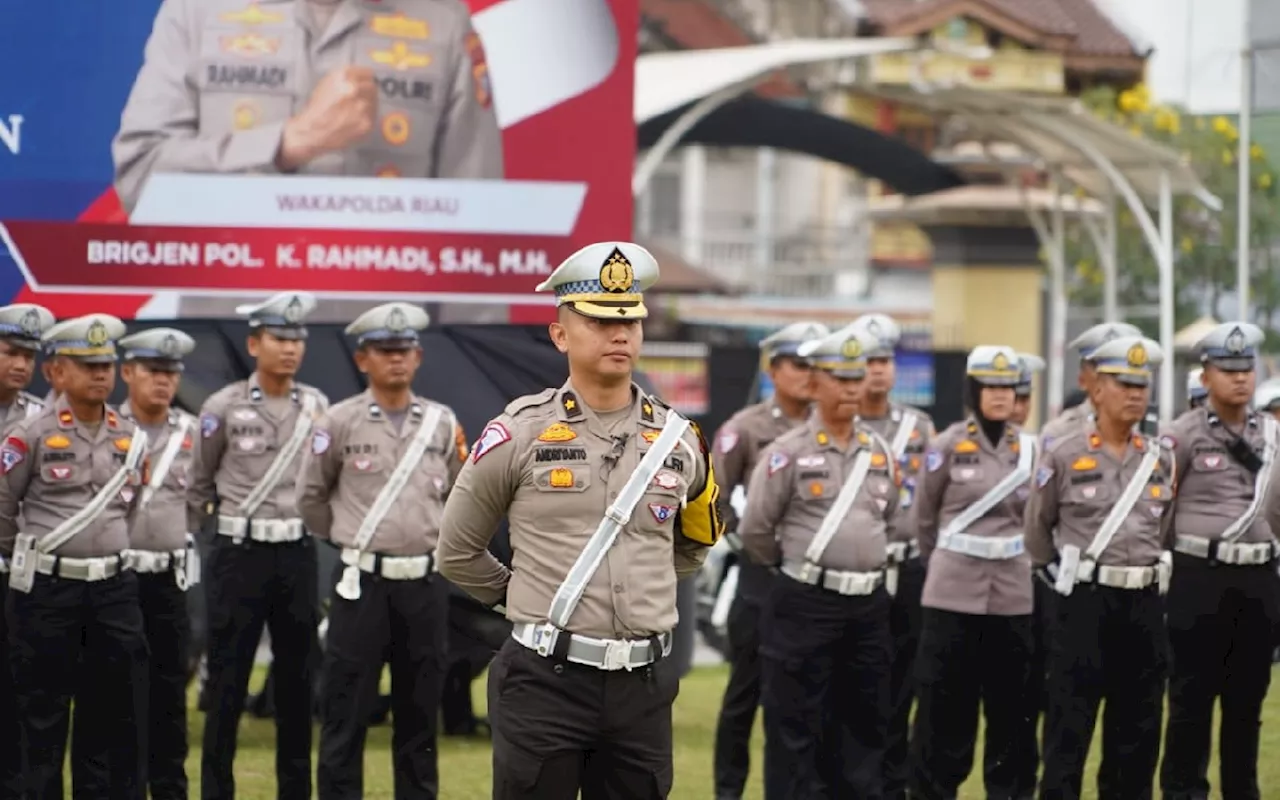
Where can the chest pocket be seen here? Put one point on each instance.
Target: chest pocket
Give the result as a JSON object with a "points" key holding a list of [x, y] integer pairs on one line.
{"points": [[412, 92], [562, 479], [364, 462], [1086, 499], [248, 76], [1155, 497], [967, 474], [1210, 462]]}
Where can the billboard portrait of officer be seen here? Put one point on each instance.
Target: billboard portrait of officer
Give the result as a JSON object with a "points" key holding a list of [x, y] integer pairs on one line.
{"points": [[398, 88]]}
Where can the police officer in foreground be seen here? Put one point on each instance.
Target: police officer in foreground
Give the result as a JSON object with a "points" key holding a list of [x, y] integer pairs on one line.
{"points": [[611, 498], [975, 639], [21, 326], [908, 431], [1224, 599], [1266, 400], [1098, 520], [75, 625], [817, 508], [161, 553], [738, 446], [320, 87], [1197, 393], [1084, 345], [373, 482], [261, 568]]}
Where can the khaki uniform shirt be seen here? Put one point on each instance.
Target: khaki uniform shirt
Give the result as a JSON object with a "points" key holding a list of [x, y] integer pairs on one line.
{"points": [[1214, 488], [53, 466], [553, 468], [796, 483], [353, 452], [162, 525], [221, 77], [241, 431], [738, 446], [910, 463], [1078, 482], [960, 468], [24, 406]]}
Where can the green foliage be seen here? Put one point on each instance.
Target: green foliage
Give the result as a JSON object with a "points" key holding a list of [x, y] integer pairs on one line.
{"points": [[1205, 242]]}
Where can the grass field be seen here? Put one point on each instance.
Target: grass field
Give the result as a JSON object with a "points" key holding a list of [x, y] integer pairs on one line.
{"points": [[464, 765]]}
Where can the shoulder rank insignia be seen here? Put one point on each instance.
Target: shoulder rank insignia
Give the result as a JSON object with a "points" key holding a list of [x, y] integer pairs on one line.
{"points": [[646, 411], [559, 432], [65, 419], [570, 404], [823, 438]]}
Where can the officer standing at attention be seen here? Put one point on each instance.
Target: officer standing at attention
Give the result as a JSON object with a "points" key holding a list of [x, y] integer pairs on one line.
{"points": [[320, 87], [1224, 599], [1196, 391], [611, 498], [1098, 520], [977, 592], [908, 431], [738, 445], [818, 506], [261, 567], [1267, 398], [374, 482], [1084, 344], [75, 625], [21, 326], [161, 552]]}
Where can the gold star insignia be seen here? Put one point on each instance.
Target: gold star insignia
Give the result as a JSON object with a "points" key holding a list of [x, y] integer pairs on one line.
{"points": [[823, 438], [648, 409], [570, 404]]}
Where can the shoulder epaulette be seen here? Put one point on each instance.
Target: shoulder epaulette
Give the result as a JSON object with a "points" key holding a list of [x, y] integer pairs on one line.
{"points": [[529, 401]]}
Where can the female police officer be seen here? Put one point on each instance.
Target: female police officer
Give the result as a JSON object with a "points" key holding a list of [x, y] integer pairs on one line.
{"points": [[977, 602]]}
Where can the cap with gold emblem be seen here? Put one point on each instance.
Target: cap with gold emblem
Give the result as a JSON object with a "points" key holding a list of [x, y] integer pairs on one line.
{"points": [[1231, 347], [883, 330], [994, 365], [841, 353], [391, 326], [164, 348], [606, 280], [1129, 359], [1195, 385], [283, 315], [1267, 396], [785, 342], [91, 338], [1088, 341], [1030, 364], [22, 324]]}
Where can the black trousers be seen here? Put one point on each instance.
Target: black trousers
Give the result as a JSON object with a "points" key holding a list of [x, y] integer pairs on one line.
{"points": [[1221, 620], [1111, 649], [966, 659], [249, 585], [403, 623], [741, 699], [825, 668], [904, 624], [560, 728], [69, 637], [475, 634], [11, 748], [1042, 641]]}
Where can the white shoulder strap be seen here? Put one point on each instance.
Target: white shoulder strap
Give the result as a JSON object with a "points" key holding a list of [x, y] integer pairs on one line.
{"points": [[1261, 481], [301, 428], [81, 519], [1120, 511], [588, 563], [1020, 475], [840, 507], [160, 470], [903, 435], [399, 477]]}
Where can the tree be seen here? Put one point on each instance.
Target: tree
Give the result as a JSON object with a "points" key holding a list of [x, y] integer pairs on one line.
{"points": [[1205, 260]]}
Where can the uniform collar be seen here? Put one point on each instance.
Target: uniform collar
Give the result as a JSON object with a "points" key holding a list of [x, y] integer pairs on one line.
{"points": [[1094, 439], [126, 412], [1211, 416], [571, 409], [819, 436], [974, 432], [68, 422], [256, 395], [375, 412]]}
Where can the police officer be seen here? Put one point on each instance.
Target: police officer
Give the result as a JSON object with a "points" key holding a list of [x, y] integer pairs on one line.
{"points": [[261, 567], [75, 624], [611, 498], [160, 549], [1031, 365], [1098, 519], [1084, 345], [1224, 599], [908, 431], [374, 480], [738, 445], [1267, 398], [1196, 391], [21, 326], [321, 87], [977, 593], [817, 508]]}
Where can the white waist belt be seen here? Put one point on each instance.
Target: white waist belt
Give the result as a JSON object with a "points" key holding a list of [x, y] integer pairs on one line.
{"points": [[1226, 553], [606, 654], [900, 552], [270, 531], [850, 584], [81, 569], [1118, 577], [151, 561], [992, 548], [393, 568]]}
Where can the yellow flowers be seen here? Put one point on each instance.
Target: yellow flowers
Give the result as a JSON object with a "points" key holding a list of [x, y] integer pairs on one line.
{"points": [[1264, 181], [1256, 152], [1167, 120], [1223, 126], [1136, 100], [1187, 244]]}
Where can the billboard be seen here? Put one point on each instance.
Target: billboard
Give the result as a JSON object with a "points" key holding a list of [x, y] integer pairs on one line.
{"points": [[363, 148]]}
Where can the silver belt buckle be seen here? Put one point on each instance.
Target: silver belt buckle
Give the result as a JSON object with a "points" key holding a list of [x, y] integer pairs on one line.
{"points": [[96, 570], [544, 639], [807, 573], [617, 655]]}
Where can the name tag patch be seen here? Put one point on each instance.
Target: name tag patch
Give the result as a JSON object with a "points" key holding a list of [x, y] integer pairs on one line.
{"points": [[545, 454]]}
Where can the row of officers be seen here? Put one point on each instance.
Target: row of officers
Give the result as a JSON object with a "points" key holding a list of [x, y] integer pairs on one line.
{"points": [[1042, 578]]}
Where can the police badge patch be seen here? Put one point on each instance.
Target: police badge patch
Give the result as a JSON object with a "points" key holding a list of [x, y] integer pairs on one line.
{"points": [[726, 441], [1168, 442], [933, 461], [13, 453], [208, 425], [1043, 475], [320, 441], [494, 434], [660, 512]]}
